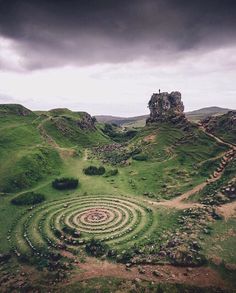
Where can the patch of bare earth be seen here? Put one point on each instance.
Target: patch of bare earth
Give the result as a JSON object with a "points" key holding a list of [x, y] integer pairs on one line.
{"points": [[150, 138], [227, 210], [200, 276]]}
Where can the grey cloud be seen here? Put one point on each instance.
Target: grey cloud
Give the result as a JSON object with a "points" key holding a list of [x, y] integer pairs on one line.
{"points": [[51, 33]]}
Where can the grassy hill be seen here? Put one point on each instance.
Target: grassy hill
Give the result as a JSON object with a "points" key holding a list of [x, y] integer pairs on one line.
{"points": [[202, 113], [70, 129], [30, 143], [142, 168]]}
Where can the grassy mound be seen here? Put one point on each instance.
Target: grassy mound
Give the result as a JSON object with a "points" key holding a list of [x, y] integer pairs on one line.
{"points": [[29, 198], [76, 128], [15, 109]]}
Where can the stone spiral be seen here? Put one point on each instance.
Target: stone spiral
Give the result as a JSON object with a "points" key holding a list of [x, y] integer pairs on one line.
{"points": [[72, 221]]}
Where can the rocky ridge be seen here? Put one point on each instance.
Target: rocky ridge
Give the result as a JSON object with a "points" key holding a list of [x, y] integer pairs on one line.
{"points": [[227, 122]]}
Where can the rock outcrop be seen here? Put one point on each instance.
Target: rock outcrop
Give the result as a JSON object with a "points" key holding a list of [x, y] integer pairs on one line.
{"points": [[165, 107], [86, 122], [227, 121], [223, 126]]}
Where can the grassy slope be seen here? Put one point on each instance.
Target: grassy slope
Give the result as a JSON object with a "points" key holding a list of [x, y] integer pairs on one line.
{"points": [[26, 158], [176, 166], [62, 126], [23, 156], [73, 135], [24, 150]]}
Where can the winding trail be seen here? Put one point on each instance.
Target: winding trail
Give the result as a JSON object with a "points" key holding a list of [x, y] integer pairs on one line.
{"points": [[179, 202]]}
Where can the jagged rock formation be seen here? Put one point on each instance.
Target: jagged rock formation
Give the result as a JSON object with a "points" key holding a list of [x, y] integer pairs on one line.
{"points": [[86, 122], [165, 107]]}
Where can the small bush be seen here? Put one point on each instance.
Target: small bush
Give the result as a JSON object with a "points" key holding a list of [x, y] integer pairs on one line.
{"points": [[93, 170], [96, 247], [112, 172], [71, 231], [65, 183], [140, 157], [28, 198]]}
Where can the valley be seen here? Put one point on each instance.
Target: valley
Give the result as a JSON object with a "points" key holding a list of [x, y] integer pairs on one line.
{"points": [[143, 207]]}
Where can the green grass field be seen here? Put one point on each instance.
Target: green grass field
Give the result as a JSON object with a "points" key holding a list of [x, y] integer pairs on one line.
{"points": [[34, 150]]}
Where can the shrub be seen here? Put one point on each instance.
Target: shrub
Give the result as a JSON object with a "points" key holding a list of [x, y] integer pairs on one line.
{"points": [[28, 198], [125, 256], [96, 247], [65, 183], [71, 231], [93, 170], [112, 172], [140, 157]]}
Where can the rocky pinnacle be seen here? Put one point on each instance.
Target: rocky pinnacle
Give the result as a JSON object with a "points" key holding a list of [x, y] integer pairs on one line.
{"points": [[165, 107]]}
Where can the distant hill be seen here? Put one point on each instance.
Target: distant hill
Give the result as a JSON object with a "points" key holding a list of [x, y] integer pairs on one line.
{"points": [[139, 121], [119, 120], [205, 112], [15, 109]]}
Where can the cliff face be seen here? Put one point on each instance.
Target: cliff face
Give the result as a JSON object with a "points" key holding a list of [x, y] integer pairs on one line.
{"points": [[86, 122], [165, 107]]}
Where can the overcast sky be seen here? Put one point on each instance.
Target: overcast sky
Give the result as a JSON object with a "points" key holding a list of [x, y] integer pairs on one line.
{"points": [[109, 56]]}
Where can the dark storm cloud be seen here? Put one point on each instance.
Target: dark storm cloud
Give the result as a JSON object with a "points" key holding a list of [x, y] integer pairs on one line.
{"points": [[49, 33]]}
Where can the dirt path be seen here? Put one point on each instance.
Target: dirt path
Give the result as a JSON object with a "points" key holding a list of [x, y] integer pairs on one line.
{"points": [[47, 137], [202, 276], [178, 202]]}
